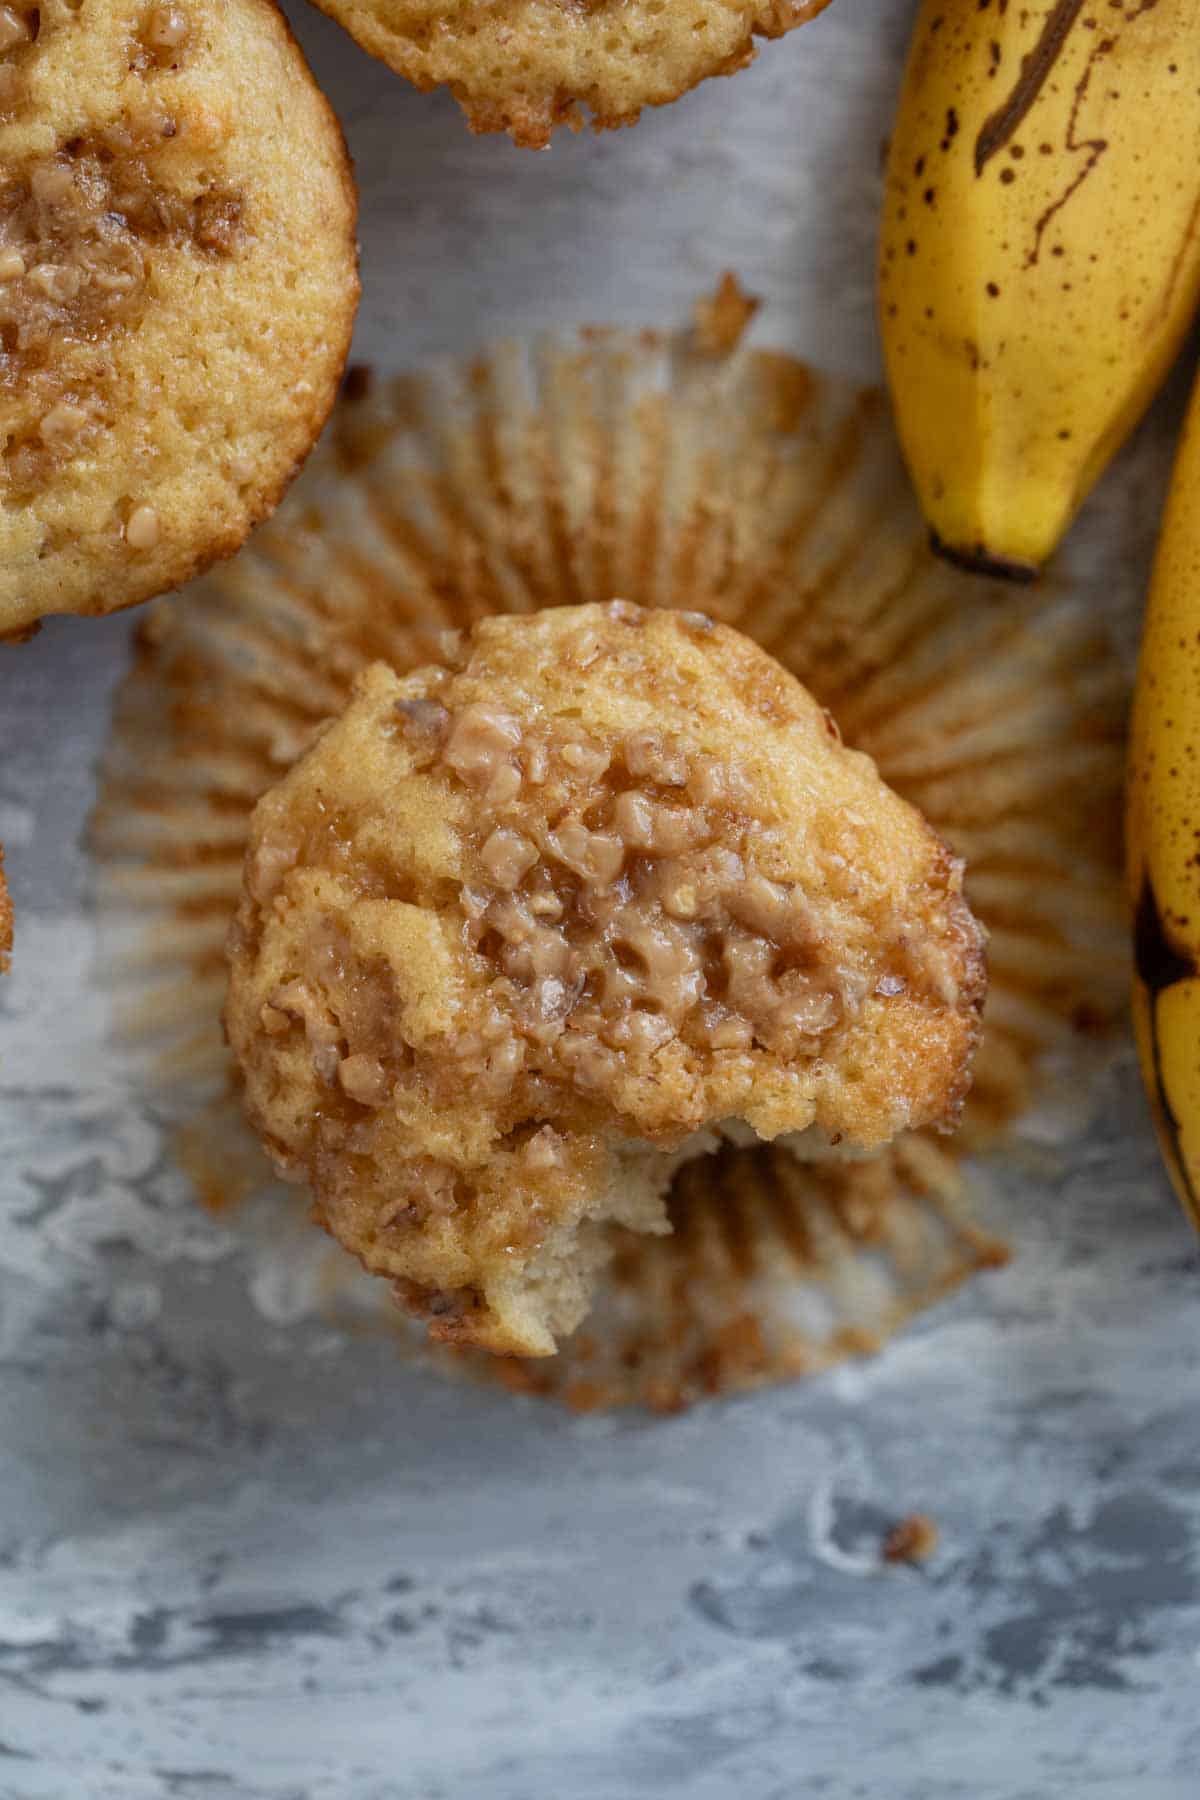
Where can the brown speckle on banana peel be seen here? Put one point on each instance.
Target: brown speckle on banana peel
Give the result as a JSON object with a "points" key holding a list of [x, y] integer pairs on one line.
{"points": [[1039, 256]]}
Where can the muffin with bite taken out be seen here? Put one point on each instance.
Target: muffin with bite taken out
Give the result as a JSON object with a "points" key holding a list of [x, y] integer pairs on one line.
{"points": [[525, 930]]}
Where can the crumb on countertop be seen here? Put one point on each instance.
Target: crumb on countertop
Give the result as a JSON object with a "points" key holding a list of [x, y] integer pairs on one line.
{"points": [[913, 1540], [721, 318]]}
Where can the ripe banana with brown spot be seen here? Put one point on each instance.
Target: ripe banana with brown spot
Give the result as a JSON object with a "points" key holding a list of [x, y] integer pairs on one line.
{"points": [[1040, 254], [1163, 828]]}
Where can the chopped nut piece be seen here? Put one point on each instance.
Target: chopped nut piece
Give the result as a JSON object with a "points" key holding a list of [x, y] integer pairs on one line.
{"points": [[764, 906], [646, 825], [536, 763], [586, 760], [270, 863], [364, 1079], [641, 1033], [504, 785], [648, 759], [51, 183], [242, 468], [583, 649], [424, 715], [59, 283], [481, 737], [14, 29], [544, 1149], [634, 819], [143, 528], [508, 857], [681, 899], [166, 28], [729, 1032], [715, 783], [594, 855], [504, 1061], [64, 422]]}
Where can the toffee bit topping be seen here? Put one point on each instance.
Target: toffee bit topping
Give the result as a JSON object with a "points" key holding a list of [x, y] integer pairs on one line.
{"points": [[424, 715], [14, 30], [480, 739], [63, 423], [363, 1078], [612, 900], [508, 857]]}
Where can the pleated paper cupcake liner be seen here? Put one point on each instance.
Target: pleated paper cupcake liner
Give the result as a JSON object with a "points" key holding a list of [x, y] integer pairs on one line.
{"points": [[776, 1269], [746, 485]]}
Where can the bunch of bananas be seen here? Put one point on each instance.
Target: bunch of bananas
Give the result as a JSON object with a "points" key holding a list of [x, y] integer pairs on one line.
{"points": [[1039, 270]]}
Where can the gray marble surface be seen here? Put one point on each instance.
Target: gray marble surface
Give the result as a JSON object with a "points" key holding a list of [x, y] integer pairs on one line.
{"points": [[243, 1555]]}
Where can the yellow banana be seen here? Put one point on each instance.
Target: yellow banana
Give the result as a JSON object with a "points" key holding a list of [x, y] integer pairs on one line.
{"points": [[1163, 828], [1040, 254]]}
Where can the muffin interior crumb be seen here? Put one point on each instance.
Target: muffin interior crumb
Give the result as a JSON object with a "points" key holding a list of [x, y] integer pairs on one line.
{"points": [[77, 234]]}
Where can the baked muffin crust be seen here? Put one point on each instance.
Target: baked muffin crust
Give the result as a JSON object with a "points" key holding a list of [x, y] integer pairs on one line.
{"points": [[529, 66], [177, 289], [525, 930]]}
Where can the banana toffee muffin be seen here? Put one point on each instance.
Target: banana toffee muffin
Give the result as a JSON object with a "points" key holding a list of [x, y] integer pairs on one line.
{"points": [[524, 931], [178, 283], [528, 66]]}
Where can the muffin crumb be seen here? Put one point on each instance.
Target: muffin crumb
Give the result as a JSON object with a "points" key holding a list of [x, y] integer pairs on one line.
{"points": [[720, 319], [913, 1540]]}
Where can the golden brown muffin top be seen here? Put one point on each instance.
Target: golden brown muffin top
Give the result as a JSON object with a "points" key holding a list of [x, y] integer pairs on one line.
{"points": [[606, 879], [529, 66], [177, 288]]}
